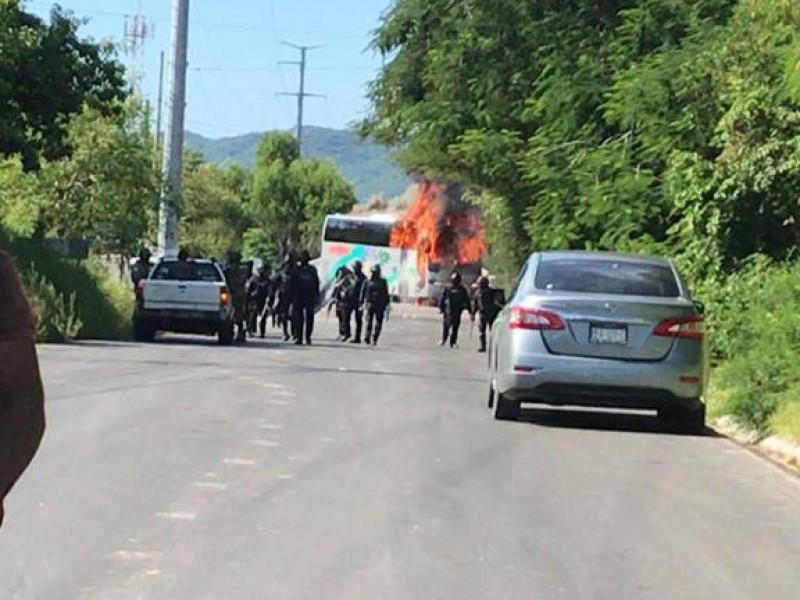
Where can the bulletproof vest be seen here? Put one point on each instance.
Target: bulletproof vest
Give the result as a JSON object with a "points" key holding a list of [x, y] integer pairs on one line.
{"points": [[306, 281]]}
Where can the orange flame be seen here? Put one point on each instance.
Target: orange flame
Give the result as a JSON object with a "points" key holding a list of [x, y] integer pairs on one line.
{"points": [[440, 231]]}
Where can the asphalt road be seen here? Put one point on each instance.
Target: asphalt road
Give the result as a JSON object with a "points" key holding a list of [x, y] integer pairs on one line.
{"points": [[186, 471]]}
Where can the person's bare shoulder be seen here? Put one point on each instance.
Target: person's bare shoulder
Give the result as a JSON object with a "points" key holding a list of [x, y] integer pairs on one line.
{"points": [[16, 320]]}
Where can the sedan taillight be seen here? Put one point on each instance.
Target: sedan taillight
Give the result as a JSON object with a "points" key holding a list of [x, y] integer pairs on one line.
{"points": [[690, 328], [224, 296], [538, 319]]}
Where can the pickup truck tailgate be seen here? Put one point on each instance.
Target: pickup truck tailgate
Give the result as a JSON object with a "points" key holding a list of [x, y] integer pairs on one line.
{"points": [[182, 295]]}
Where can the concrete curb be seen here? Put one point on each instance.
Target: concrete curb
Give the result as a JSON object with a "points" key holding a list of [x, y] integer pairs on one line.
{"points": [[785, 453]]}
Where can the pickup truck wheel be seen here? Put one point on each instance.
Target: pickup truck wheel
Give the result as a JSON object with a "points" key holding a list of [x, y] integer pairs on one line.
{"points": [[225, 334], [142, 332]]}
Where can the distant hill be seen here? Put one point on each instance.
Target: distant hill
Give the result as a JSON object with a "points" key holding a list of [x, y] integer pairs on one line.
{"points": [[368, 166]]}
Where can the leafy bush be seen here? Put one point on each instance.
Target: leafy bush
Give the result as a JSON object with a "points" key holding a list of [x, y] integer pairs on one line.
{"points": [[756, 324], [56, 320]]}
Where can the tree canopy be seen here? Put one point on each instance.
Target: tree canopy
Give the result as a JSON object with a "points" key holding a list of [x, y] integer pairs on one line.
{"points": [[622, 124], [292, 195], [48, 73]]}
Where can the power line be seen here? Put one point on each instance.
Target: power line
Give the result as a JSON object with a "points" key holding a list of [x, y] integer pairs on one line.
{"points": [[302, 94]]}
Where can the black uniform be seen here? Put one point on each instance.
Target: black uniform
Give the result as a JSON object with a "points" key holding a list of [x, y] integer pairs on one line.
{"points": [[487, 308], [342, 297], [355, 305], [258, 293], [236, 278], [454, 301], [139, 271], [375, 302], [286, 299], [306, 296]]}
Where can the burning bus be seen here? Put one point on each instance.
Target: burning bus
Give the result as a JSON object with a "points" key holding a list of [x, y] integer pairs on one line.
{"points": [[446, 234], [418, 250]]}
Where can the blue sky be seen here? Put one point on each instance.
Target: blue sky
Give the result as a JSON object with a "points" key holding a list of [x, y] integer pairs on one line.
{"points": [[234, 50]]}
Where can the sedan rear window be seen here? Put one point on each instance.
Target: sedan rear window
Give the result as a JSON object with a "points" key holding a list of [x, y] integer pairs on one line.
{"points": [[618, 277], [186, 271]]}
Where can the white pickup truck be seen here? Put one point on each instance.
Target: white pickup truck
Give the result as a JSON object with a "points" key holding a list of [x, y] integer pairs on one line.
{"points": [[184, 297]]}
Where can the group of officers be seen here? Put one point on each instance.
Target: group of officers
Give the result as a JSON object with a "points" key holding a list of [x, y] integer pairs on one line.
{"points": [[291, 297], [485, 304]]}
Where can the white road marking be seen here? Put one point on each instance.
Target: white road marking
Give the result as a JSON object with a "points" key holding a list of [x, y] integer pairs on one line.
{"points": [[210, 485], [343, 369], [274, 386], [211, 474], [177, 516], [137, 555], [285, 476], [271, 427], [284, 393], [328, 440], [266, 443], [247, 378], [239, 462], [278, 402]]}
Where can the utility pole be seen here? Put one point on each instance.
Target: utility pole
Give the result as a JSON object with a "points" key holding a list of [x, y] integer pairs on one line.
{"points": [[168, 222], [302, 94], [160, 106]]}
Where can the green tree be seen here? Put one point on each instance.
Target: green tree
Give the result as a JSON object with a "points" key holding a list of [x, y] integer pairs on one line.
{"points": [[214, 212], [291, 195], [564, 114], [107, 190], [48, 75]]}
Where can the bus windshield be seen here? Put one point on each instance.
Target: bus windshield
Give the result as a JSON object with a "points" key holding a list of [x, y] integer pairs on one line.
{"points": [[353, 231]]}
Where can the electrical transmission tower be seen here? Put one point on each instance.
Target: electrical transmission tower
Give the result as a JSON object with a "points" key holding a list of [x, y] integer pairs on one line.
{"points": [[302, 94], [138, 29]]}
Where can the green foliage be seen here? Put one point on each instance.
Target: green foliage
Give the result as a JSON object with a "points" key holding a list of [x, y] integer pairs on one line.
{"points": [[107, 190], [102, 304], [759, 326], [21, 198], [56, 320], [49, 74], [214, 209], [291, 196]]}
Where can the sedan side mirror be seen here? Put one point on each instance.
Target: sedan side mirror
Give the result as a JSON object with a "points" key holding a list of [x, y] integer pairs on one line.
{"points": [[700, 307]]}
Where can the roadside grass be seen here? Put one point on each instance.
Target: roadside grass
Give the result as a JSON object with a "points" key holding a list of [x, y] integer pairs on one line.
{"points": [[758, 324], [102, 305]]}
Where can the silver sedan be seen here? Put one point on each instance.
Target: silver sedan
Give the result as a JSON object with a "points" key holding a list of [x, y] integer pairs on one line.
{"points": [[600, 329]]}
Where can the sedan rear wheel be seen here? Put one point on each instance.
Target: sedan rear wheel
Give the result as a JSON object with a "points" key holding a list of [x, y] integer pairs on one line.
{"points": [[505, 409]]}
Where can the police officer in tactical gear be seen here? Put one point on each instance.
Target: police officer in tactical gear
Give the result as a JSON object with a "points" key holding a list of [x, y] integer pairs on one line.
{"points": [[141, 269], [375, 301], [258, 293], [340, 298], [485, 305], [454, 301], [306, 296], [286, 296], [237, 279], [356, 308]]}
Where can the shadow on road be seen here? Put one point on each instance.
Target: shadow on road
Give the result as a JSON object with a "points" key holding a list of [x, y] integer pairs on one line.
{"points": [[604, 421]]}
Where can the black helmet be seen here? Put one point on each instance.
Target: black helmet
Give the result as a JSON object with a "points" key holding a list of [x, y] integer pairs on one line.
{"points": [[483, 283], [455, 277], [376, 270], [304, 256], [234, 257], [183, 254], [358, 267], [145, 254]]}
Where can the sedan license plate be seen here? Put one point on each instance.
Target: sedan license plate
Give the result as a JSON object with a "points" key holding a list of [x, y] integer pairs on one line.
{"points": [[610, 335]]}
